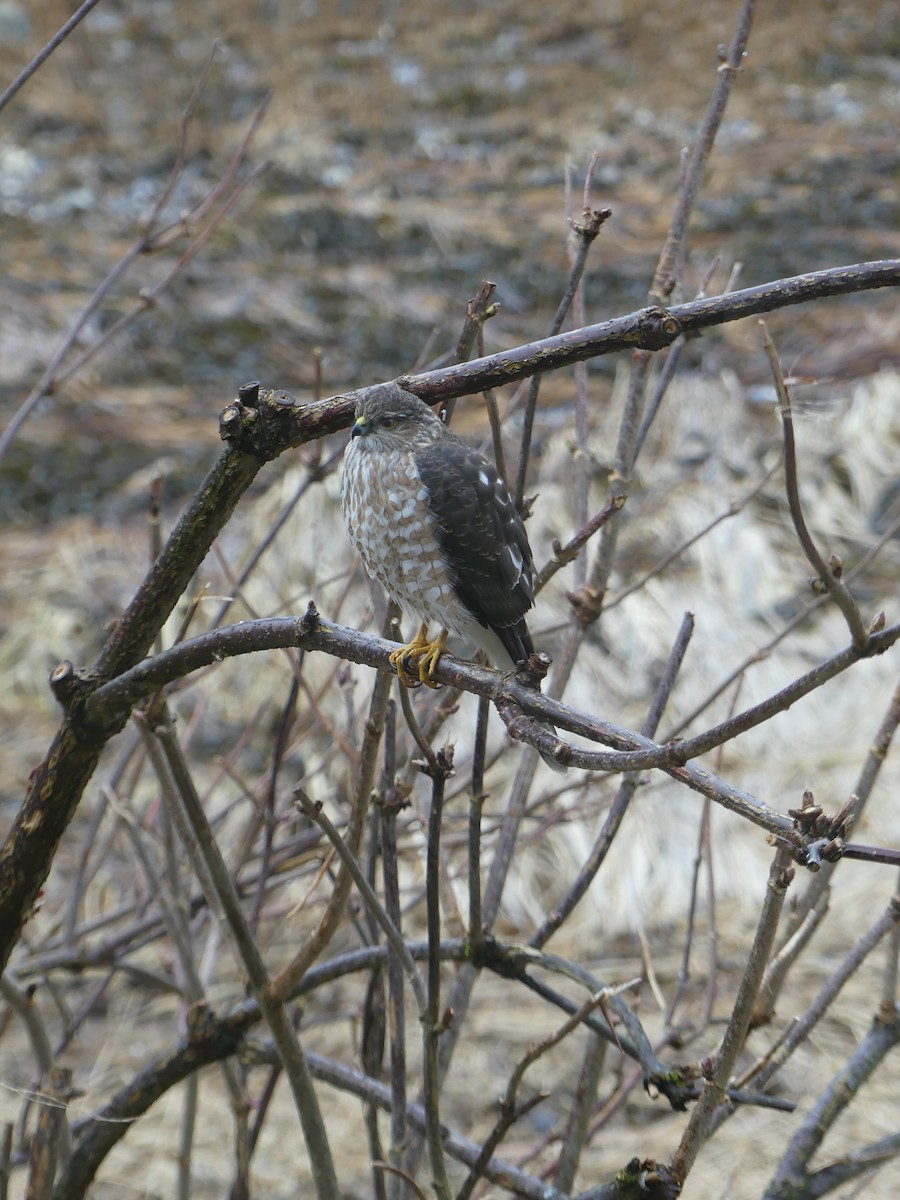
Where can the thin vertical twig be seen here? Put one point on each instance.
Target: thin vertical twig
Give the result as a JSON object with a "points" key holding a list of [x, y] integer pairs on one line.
{"points": [[714, 1093], [373, 1039], [632, 429], [476, 809], [6, 1141], [391, 799], [575, 1137], [586, 231], [186, 1130], [372, 1057], [729, 66], [888, 1008], [703, 855], [285, 724], [432, 1024], [48, 1140], [828, 574], [582, 234]]}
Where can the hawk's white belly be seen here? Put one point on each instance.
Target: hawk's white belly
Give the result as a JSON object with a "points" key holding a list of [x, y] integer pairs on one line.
{"points": [[385, 506]]}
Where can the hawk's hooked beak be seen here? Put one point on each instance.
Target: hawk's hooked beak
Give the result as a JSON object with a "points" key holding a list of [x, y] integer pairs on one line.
{"points": [[360, 427]]}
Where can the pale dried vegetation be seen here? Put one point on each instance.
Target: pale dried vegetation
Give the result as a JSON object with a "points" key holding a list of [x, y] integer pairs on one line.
{"points": [[410, 160]]}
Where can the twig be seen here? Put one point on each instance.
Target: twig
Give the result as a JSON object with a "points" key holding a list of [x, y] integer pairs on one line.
{"points": [[585, 231], [372, 1046], [400, 1176], [792, 1171], [316, 814], [414, 728], [889, 983], [288, 715], [726, 76], [781, 963], [798, 620], [476, 809], [431, 1020], [391, 798], [733, 509], [479, 310], [150, 241], [49, 1136], [83, 874], [6, 1140], [186, 1135], [818, 885], [563, 555], [577, 1126], [44, 53], [828, 575], [273, 1009], [759, 1074], [588, 872], [715, 1092]]}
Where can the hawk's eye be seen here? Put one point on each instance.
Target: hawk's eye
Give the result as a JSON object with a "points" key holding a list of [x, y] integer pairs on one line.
{"points": [[388, 422]]}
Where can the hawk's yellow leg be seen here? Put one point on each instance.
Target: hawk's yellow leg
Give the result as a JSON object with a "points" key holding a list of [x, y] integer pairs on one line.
{"points": [[422, 651]]}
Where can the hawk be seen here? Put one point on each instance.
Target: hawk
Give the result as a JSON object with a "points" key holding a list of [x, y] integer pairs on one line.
{"points": [[433, 522]]}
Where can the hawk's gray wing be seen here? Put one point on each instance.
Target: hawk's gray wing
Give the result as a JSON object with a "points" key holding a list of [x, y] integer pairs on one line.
{"points": [[482, 537]]}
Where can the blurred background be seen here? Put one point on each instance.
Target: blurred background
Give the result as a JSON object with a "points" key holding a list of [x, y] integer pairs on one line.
{"points": [[415, 149]]}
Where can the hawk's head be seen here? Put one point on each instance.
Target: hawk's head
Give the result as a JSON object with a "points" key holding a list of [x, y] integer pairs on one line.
{"points": [[388, 418]]}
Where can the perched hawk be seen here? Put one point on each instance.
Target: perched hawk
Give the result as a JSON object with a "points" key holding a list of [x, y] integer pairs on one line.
{"points": [[434, 523]]}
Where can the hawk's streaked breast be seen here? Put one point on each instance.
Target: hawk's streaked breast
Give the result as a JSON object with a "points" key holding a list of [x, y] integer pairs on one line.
{"points": [[386, 510]]}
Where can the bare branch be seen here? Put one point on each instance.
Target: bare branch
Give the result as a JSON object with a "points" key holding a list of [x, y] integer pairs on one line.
{"points": [[715, 1092], [829, 575], [793, 1168], [44, 53]]}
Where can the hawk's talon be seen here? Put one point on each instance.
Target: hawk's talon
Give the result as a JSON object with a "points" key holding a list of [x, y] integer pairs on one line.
{"points": [[401, 662], [420, 650], [429, 660]]}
